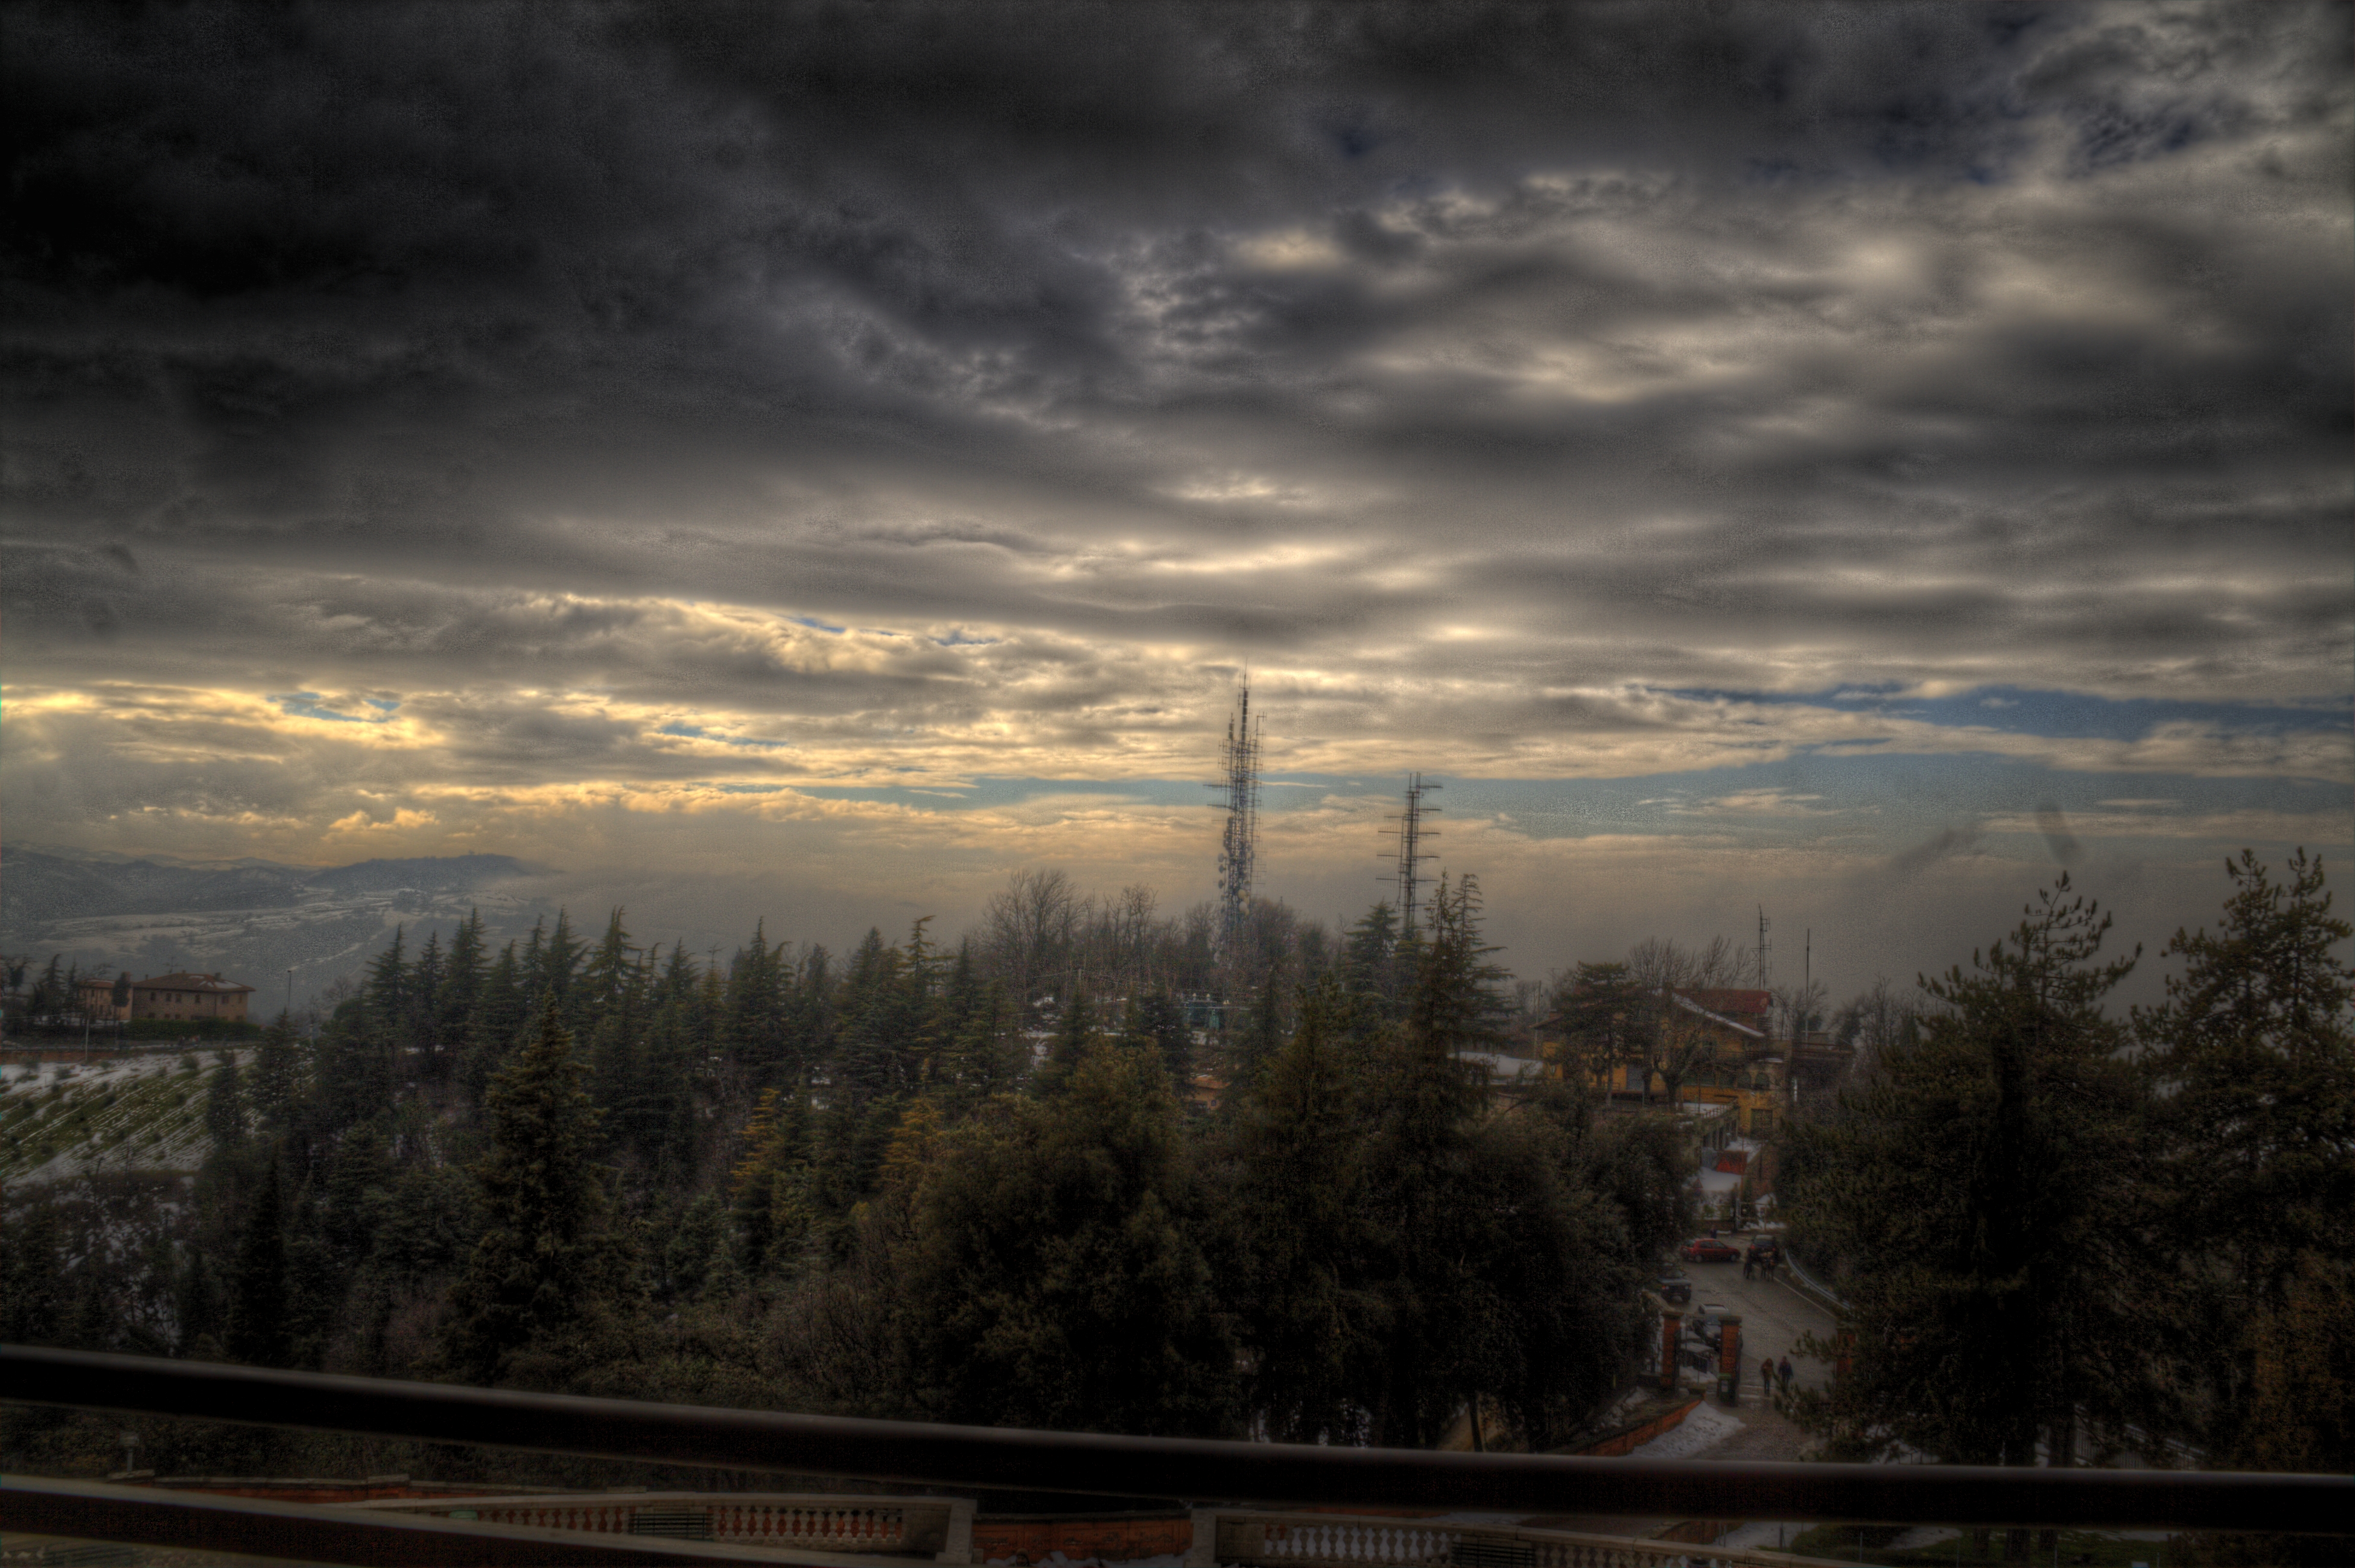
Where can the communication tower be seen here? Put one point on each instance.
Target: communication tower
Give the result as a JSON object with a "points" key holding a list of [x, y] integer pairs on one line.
{"points": [[1763, 947], [1414, 835], [1239, 846]]}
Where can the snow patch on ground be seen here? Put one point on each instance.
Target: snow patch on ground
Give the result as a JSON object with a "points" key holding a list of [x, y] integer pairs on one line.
{"points": [[1704, 1427], [1924, 1535], [1768, 1533], [131, 1121]]}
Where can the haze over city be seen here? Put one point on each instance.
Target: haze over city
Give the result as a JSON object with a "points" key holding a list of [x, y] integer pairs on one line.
{"points": [[1851, 461]]}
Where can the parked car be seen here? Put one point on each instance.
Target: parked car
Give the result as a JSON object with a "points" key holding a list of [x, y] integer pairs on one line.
{"points": [[1707, 1324], [1708, 1250], [1765, 1250], [1673, 1287]]}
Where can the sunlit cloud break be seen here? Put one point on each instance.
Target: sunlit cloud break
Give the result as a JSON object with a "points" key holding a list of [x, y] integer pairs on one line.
{"points": [[1790, 440]]}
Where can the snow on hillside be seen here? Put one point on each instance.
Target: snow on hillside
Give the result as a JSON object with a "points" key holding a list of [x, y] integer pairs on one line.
{"points": [[143, 1112]]}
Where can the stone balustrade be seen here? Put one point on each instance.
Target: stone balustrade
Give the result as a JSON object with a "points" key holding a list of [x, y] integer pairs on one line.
{"points": [[911, 1528], [1250, 1538]]}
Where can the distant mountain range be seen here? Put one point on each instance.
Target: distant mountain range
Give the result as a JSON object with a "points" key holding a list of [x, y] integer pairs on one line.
{"points": [[284, 929], [40, 887]]}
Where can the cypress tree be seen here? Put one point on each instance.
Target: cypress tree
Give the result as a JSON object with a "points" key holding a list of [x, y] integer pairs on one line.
{"points": [[537, 1272]]}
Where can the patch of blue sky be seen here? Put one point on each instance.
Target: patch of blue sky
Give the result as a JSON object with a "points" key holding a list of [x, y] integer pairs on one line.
{"points": [[1879, 795], [816, 625], [312, 705], [1882, 798], [697, 732], [2027, 711]]}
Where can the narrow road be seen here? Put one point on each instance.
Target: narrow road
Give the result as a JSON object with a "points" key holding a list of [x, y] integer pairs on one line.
{"points": [[1773, 1317]]}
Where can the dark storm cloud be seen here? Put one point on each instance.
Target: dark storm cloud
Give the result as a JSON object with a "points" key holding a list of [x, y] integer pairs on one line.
{"points": [[478, 350]]}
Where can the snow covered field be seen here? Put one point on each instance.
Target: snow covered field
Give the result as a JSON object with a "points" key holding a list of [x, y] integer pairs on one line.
{"points": [[143, 1112]]}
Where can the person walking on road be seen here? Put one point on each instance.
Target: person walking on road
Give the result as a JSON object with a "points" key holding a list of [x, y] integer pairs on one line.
{"points": [[1766, 1376], [1786, 1370], [1747, 1263]]}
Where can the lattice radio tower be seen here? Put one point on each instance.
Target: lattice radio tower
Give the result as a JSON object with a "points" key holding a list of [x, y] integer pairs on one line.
{"points": [[1764, 946], [1413, 837], [1239, 846]]}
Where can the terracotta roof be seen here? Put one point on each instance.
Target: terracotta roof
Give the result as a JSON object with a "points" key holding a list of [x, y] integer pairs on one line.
{"points": [[186, 982]]}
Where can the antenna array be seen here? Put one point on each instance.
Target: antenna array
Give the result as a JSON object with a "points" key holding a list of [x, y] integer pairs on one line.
{"points": [[1238, 845], [1413, 834]]}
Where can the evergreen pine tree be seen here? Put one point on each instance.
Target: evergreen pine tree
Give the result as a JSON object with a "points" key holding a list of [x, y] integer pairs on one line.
{"points": [[2252, 1058], [459, 995], [1606, 1018], [538, 1272], [560, 968], [1054, 1277], [756, 1007], [1299, 1212], [1261, 1037], [986, 1057], [1157, 1024], [1984, 1191], [225, 1104], [259, 1330], [497, 1019], [769, 1189], [1367, 953], [33, 1299], [1075, 1032], [1420, 1157], [276, 1090], [420, 1015]]}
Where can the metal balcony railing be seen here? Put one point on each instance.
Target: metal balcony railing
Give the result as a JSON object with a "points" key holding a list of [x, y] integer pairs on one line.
{"points": [[1222, 1476]]}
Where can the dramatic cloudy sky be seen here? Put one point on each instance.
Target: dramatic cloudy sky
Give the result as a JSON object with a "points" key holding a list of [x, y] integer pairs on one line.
{"points": [[818, 458]]}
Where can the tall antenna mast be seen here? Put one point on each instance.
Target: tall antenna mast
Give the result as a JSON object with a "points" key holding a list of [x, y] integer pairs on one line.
{"points": [[1412, 833], [1239, 845], [1807, 986], [1762, 946]]}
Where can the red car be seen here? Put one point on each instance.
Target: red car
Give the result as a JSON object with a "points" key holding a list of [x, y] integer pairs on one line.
{"points": [[1708, 1250]]}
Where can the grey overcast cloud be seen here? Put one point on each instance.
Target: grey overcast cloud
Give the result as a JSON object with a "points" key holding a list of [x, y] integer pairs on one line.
{"points": [[813, 461]]}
